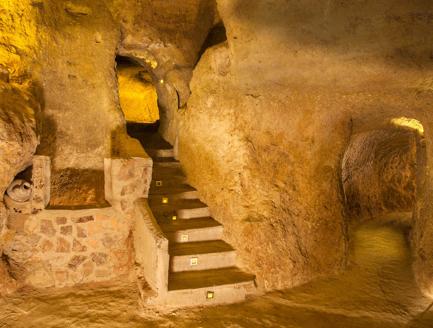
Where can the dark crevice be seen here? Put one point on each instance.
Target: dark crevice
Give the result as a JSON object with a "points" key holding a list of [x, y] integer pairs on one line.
{"points": [[216, 36]]}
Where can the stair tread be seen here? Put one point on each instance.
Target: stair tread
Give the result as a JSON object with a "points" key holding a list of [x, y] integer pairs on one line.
{"points": [[157, 165], [170, 190], [207, 278], [159, 148], [167, 171], [160, 153], [155, 203], [199, 223], [200, 247], [165, 160], [148, 138]]}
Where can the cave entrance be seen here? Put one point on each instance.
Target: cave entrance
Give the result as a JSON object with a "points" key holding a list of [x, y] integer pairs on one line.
{"points": [[382, 177], [382, 170], [138, 99], [137, 93]]}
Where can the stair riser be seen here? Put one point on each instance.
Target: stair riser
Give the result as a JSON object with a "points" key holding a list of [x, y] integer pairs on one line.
{"points": [[160, 152], [174, 201], [224, 294], [172, 165], [194, 235], [193, 213], [155, 193], [186, 195], [168, 181], [162, 171], [204, 261]]}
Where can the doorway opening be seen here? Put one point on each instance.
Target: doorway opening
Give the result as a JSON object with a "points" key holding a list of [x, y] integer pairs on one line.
{"points": [[138, 100], [382, 170], [137, 93]]}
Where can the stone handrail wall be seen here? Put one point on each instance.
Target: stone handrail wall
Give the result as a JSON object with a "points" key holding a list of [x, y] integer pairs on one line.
{"points": [[126, 180], [151, 248]]}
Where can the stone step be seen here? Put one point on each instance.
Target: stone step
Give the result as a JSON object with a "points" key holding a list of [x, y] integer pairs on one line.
{"points": [[154, 153], [193, 230], [165, 160], [184, 191], [174, 202], [148, 136], [165, 181], [209, 287], [193, 213], [161, 164], [199, 256], [207, 278], [181, 208], [166, 172]]}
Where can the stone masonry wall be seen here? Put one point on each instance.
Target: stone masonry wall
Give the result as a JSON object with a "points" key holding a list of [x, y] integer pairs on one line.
{"points": [[127, 179], [58, 248]]}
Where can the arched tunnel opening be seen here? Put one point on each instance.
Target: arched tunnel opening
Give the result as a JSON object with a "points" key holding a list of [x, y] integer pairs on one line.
{"points": [[382, 170], [137, 93], [382, 178], [138, 100]]}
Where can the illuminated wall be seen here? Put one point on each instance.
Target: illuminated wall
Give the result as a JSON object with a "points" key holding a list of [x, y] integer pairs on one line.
{"points": [[138, 97], [17, 35]]}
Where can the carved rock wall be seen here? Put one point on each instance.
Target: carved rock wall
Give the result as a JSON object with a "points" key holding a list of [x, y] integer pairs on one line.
{"points": [[379, 172], [271, 115]]}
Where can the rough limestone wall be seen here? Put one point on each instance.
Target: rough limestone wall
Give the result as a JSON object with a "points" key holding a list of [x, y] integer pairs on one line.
{"points": [[270, 118], [379, 172], [18, 47], [18, 138], [78, 77], [18, 104], [250, 166], [422, 236], [166, 38], [137, 94]]}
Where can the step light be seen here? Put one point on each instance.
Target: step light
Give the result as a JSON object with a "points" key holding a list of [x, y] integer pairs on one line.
{"points": [[165, 200], [193, 261], [210, 295], [174, 218], [184, 238], [158, 183]]}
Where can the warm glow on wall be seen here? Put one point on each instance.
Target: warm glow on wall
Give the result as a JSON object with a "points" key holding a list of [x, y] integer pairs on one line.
{"points": [[138, 97], [18, 31], [409, 123]]}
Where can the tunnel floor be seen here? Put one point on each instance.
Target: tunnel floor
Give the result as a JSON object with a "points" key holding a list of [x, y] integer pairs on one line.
{"points": [[378, 290]]}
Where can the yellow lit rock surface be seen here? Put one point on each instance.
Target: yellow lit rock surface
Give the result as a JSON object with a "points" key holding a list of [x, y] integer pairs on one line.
{"points": [[379, 171], [260, 124], [18, 36], [409, 123], [138, 98], [281, 101]]}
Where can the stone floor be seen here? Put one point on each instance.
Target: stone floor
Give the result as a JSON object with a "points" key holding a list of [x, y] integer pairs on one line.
{"points": [[378, 290]]}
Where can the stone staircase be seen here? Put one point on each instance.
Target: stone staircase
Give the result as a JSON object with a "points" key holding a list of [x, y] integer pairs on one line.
{"points": [[202, 267]]}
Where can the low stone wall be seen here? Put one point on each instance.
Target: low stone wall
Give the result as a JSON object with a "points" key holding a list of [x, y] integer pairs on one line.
{"points": [[58, 248], [126, 180], [151, 250]]}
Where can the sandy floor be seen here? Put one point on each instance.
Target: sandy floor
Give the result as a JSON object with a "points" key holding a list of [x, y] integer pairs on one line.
{"points": [[377, 291]]}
